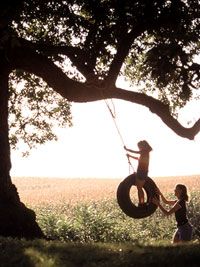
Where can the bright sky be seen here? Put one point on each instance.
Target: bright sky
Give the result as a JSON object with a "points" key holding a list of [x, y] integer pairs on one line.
{"points": [[92, 147]]}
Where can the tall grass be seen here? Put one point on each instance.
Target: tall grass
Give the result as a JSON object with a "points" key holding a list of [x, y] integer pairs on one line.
{"points": [[103, 221]]}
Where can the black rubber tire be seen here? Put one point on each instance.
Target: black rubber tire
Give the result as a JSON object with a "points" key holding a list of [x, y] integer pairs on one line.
{"points": [[125, 203]]}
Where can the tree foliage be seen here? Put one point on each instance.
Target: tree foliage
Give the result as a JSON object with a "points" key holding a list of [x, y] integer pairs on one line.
{"points": [[35, 110], [79, 48]]}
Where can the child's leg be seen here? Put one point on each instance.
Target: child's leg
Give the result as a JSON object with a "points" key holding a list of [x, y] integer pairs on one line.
{"points": [[140, 184], [140, 195]]}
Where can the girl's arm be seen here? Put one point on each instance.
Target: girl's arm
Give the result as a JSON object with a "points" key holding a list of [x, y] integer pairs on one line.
{"points": [[132, 151], [166, 212], [130, 156], [168, 202], [171, 211]]}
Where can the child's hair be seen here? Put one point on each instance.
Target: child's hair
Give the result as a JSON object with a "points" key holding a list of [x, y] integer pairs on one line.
{"points": [[184, 194], [144, 145]]}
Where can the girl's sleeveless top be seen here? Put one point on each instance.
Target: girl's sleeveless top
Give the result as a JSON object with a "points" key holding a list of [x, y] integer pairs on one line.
{"points": [[181, 214]]}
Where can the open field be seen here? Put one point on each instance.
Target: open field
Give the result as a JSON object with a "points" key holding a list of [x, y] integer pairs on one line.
{"points": [[37, 190], [88, 229], [86, 210]]}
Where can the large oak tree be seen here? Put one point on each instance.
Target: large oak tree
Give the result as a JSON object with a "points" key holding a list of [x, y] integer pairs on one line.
{"points": [[55, 52]]}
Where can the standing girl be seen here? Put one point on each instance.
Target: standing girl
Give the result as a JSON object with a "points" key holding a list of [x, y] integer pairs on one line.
{"points": [[184, 228], [143, 167]]}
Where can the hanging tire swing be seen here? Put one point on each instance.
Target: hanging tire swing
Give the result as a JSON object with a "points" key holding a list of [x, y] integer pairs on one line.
{"points": [[124, 200], [123, 190]]}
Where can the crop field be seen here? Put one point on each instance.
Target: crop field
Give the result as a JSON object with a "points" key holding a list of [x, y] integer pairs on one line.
{"points": [[38, 191], [86, 210]]}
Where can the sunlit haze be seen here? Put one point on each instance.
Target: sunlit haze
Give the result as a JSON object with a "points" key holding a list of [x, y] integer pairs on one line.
{"points": [[93, 148]]}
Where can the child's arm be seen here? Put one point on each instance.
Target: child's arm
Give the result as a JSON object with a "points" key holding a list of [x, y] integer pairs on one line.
{"points": [[168, 202], [166, 212], [130, 156], [132, 151]]}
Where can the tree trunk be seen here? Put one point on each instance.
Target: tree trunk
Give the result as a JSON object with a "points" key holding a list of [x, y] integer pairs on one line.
{"points": [[16, 220]]}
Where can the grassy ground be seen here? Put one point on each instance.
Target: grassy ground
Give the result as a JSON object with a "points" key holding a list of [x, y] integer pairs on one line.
{"points": [[39, 253], [90, 230]]}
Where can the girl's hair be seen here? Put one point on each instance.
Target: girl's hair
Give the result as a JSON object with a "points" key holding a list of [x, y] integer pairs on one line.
{"points": [[184, 194], [144, 145]]}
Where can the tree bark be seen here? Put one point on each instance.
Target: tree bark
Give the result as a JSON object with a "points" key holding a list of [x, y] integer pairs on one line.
{"points": [[16, 220]]}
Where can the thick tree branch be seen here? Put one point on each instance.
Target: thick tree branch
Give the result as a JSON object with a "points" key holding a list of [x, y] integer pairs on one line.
{"points": [[75, 54], [160, 109], [82, 92], [122, 52]]}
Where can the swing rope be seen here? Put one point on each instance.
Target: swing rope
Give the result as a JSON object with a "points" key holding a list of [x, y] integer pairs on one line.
{"points": [[113, 115]]}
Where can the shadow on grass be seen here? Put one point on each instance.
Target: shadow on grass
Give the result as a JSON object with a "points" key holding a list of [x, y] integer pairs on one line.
{"points": [[12, 254], [39, 253]]}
